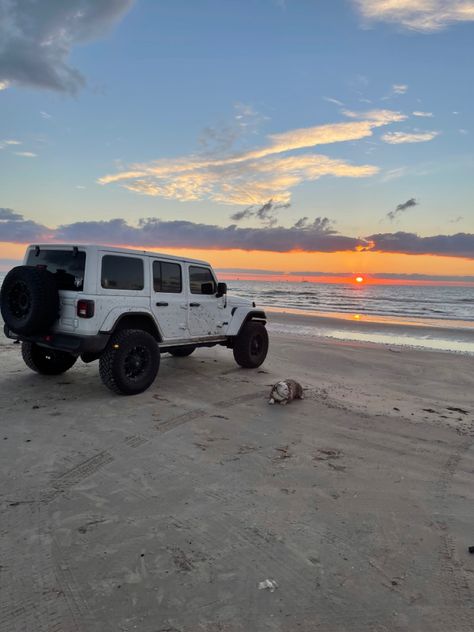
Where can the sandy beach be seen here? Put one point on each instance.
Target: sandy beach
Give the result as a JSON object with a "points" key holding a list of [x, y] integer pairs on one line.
{"points": [[163, 512]]}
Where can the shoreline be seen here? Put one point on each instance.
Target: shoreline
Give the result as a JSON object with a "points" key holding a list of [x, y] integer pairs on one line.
{"points": [[445, 336], [405, 321]]}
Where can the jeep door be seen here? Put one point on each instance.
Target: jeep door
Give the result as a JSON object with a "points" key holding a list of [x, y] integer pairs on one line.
{"points": [[168, 298], [205, 309]]}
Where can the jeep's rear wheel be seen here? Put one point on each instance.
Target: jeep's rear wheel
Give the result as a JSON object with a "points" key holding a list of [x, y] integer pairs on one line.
{"points": [[46, 361], [182, 352], [251, 345], [130, 363]]}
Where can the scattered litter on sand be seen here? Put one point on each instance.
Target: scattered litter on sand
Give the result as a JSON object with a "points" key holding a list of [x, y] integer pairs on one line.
{"points": [[268, 584]]}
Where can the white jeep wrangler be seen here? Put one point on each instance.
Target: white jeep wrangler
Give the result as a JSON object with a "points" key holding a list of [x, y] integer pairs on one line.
{"points": [[123, 307]]}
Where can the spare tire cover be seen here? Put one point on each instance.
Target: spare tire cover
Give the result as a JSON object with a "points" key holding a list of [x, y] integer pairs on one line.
{"points": [[29, 300]]}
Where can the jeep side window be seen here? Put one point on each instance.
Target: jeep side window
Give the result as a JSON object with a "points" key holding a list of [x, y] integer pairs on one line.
{"points": [[167, 277], [122, 273], [201, 280]]}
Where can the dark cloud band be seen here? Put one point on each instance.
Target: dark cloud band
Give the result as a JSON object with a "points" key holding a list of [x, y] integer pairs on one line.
{"points": [[458, 245], [156, 233]]}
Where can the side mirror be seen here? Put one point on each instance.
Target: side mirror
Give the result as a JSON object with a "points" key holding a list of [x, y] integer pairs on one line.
{"points": [[208, 288], [221, 289]]}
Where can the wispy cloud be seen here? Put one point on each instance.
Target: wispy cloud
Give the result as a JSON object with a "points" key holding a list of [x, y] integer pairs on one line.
{"points": [[401, 208], [37, 37], [9, 142], [393, 174], [399, 88], [419, 15], [398, 138], [322, 224], [26, 154], [266, 213], [45, 115], [316, 236], [254, 176], [227, 135], [422, 114], [396, 90], [332, 100]]}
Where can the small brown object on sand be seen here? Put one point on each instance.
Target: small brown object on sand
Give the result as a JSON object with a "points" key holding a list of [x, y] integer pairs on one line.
{"points": [[285, 391]]}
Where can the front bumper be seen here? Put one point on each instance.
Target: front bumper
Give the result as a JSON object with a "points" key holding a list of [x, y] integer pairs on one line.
{"points": [[76, 345]]}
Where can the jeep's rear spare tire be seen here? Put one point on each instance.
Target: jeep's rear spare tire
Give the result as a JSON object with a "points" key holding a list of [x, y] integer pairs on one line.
{"points": [[130, 362], [251, 345], [29, 300], [46, 361]]}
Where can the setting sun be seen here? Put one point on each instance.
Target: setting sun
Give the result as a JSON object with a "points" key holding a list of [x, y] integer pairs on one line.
{"points": [[359, 279]]}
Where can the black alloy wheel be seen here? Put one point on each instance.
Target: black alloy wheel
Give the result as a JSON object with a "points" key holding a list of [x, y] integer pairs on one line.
{"points": [[136, 362], [130, 362], [251, 345]]}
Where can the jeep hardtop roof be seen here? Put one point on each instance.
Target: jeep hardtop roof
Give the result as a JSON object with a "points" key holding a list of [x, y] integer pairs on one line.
{"points": [[113, 249]]}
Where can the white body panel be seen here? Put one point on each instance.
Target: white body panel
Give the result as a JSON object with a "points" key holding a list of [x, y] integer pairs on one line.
{"points": [[170, 309], [181, 317], [204, 317]]}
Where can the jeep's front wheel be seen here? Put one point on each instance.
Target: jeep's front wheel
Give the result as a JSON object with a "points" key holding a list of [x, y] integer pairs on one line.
{"points": [[251, 345], [130, 362], [46, 361]]}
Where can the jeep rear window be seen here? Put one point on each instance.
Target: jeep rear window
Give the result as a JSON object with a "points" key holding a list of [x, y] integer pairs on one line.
{"points": [[167, 277], [122, 273], [67, 266]]}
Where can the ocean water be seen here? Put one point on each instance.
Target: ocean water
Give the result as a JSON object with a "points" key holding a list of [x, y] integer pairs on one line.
{"points": [[454, 303]]}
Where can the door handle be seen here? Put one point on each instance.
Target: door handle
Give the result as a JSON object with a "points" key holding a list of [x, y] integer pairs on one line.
{"points": [[194, 304], [162, 304]]}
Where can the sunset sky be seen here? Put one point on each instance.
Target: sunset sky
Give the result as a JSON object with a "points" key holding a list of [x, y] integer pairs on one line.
{"points": [[304, 136]]}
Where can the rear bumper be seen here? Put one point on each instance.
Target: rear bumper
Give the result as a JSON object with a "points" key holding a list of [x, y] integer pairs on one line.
{"points": [[65, 342]]}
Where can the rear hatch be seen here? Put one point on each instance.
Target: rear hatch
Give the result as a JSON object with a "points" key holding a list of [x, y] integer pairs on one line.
{"points": [[68, 266]]}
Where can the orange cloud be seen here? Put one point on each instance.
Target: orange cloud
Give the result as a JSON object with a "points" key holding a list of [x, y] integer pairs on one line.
{"points": [[254, 176]]}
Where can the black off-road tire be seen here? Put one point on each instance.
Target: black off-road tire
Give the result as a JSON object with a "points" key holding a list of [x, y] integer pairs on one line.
{"points": [[46, 361], [130, 362], [182, 352], [251, 345], [29, 300]]}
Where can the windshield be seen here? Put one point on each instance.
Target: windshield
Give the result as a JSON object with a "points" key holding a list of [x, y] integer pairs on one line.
{"points": [[68, 266]]}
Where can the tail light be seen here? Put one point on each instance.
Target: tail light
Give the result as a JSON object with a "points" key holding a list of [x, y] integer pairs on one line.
{"points": [[85, 309]]}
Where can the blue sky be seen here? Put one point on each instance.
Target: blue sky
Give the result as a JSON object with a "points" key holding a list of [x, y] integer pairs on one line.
{"points": [[213, 82]]}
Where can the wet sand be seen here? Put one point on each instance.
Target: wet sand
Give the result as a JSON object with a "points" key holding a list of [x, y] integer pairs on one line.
{"points": [[422, 333], [164, 511]]}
